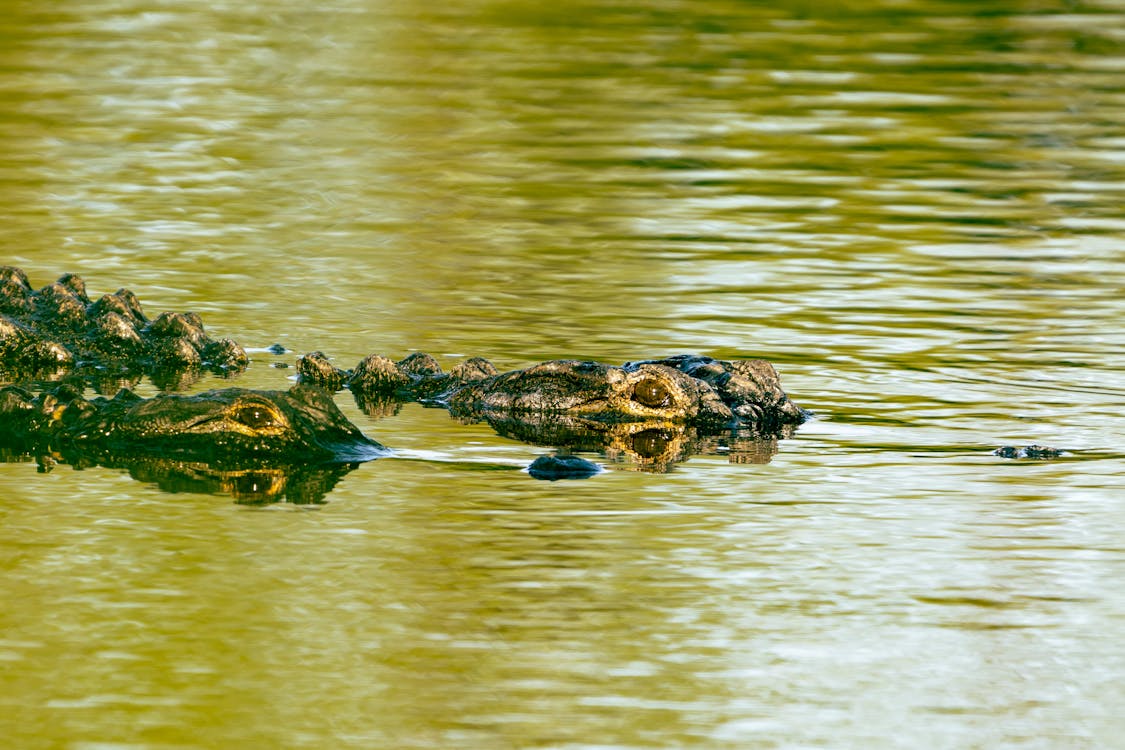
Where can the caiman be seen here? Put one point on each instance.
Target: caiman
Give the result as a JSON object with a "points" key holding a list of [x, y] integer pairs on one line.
{"points": [[59, 327]]}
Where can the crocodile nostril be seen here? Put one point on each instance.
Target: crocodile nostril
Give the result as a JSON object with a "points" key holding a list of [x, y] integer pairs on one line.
{"points": [[652, 393]]}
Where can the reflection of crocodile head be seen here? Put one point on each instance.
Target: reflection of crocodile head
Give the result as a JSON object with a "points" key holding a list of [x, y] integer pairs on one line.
{"points": [[300, 485], [303, 484], [227, 428], [644, 445]]}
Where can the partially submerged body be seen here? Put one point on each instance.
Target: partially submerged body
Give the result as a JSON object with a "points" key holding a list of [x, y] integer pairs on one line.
{"points": [[59, 327], [650, 414], [252, 444], [687, 389]]}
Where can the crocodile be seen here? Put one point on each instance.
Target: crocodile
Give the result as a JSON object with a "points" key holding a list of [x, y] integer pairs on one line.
{"points": [[259, 445], [58, 328], [255, 445], [227, 429], [638, 410], [688, 389], [648, 414]]}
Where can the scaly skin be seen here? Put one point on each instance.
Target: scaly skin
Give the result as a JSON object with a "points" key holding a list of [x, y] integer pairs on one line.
{"points": [[650, 414], [230, 427], [686, 389], [59, 327]]}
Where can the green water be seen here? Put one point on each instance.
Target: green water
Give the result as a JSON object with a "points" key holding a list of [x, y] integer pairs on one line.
{"points": [[913, 208]]}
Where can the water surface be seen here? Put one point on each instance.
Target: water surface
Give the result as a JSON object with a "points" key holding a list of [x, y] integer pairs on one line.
{"points": [[912, 208]]}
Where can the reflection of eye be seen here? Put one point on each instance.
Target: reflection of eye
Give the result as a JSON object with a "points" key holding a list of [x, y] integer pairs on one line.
{"points": [[650, 443], [255, 416], [253, 486], [652, 393]]}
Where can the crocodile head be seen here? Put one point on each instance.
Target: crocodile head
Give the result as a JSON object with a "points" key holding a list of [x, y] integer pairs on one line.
{"points": [[226, 426], [596, 391], [676, 390]]}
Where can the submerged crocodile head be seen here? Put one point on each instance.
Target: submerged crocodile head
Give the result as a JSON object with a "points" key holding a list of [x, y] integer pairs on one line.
{"points": [[226, 427]]}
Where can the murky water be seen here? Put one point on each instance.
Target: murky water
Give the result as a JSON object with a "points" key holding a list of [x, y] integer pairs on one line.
{"points": [[913, 208]]}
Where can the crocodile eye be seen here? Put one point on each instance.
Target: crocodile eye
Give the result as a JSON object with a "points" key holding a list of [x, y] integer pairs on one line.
{"points": [[255, 417], [652, 393]]}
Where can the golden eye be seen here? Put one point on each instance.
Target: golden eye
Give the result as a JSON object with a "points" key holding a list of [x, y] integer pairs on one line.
{"points": [[652, 393], [255, 417]]}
